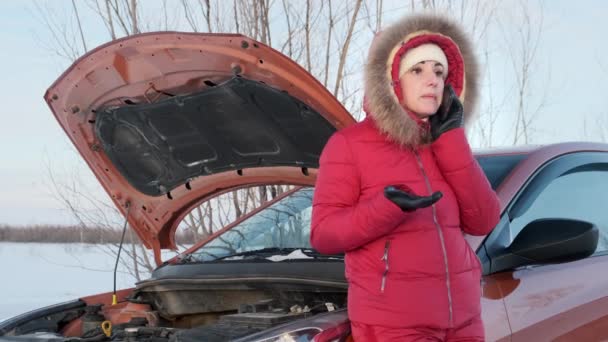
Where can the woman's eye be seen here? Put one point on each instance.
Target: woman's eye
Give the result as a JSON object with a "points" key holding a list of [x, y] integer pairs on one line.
{"points": [[439, 73], [416, 71]]}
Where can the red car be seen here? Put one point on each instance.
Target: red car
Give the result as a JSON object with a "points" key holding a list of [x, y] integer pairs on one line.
{"points": [[168, 120]]}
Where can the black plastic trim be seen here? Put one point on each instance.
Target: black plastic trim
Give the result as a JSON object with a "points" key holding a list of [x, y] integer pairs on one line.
{"points": [[320, 271], [51, 315]]}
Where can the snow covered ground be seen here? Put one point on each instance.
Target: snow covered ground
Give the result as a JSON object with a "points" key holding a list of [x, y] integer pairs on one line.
{"points": [[34, 275]]}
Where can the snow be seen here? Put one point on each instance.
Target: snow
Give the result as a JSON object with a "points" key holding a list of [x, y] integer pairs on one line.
{"points": [[297, 254], [237, 257], [35, 275]]}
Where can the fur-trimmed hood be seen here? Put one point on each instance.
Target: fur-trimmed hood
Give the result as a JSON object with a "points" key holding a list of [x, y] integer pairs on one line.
{"points": [[382, 92]]}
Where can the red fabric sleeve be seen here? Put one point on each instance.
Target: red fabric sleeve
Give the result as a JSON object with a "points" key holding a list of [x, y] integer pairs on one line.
{"points": [[340, 220], [479, 205]]}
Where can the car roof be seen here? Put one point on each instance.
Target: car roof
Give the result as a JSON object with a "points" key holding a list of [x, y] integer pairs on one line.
{"points": [[548, 150]]}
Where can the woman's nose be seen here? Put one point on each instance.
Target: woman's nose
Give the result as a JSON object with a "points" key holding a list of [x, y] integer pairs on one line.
{"points": [[432, 79]]}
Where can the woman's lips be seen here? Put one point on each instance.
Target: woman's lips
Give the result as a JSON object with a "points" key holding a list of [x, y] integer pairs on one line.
{"points": [[429, 97]]}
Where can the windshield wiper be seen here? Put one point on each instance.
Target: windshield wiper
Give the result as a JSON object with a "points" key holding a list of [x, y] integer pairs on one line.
{"points": [[270, 251], [260, 252]]}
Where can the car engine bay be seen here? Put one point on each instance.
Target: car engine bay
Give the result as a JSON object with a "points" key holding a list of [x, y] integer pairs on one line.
{"points": [[181, 315]]}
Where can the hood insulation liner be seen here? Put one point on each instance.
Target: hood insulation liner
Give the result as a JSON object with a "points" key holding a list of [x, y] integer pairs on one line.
{"points": [[231, 126]]}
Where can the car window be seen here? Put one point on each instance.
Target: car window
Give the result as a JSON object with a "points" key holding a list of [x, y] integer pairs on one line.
{"points": [[285, 224], [578, 195], [497, 168]]}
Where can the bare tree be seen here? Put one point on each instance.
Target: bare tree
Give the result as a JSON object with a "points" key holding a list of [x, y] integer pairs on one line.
{"points": [[206, 7], [328, 43], [190, 18], [62, 33], [603, 127], [597, 128], [486, 123], [522, 51], [84, 43], [265, 22], [476, 15], [288, 41], [132, 10], [378, 15], [602, 119], [373, 20], [307, 33], [92, 212], [344, 50]]}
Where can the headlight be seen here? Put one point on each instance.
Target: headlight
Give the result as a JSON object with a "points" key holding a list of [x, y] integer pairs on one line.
{"points": [[340, 333], [328, 327]]}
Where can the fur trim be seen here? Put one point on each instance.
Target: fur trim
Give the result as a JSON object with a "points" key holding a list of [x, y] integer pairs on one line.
{"points": [[382, 103]]}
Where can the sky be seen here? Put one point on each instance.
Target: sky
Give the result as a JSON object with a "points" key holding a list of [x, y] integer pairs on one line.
{"points": [[571, 68]]}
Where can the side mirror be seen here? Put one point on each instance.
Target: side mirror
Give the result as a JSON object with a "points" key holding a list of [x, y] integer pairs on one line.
{"points": [[549, 241]]}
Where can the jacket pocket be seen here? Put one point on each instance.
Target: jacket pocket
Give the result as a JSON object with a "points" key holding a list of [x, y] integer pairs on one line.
{"points": [[387, 246]]}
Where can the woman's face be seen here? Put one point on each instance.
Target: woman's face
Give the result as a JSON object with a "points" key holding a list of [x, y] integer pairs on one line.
{"points": [[422, 88]]}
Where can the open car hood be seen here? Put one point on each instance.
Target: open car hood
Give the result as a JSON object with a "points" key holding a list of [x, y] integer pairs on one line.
{"points": [[165, 120]]}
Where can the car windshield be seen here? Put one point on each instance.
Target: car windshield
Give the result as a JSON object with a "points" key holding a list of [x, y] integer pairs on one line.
{"points": [[284, 227]]}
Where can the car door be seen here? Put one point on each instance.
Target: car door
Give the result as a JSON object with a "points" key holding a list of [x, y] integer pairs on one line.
{"points": [[566, 301]]}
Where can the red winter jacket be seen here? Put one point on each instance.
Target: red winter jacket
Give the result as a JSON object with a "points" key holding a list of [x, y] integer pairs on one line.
{"points": [[403, 269]]}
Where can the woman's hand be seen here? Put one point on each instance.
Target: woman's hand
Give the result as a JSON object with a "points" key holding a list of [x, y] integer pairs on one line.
{"points": [[449, 115], [408, 201]]}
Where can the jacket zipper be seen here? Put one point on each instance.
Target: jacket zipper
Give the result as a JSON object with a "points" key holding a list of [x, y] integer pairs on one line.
{"points": [[384, 258], [441, 238]]}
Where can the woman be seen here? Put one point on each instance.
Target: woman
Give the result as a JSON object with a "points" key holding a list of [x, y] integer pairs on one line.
{"points": [[397, 191]]}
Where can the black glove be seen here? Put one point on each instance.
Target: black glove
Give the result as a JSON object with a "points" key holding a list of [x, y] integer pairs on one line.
{"points": [[408, 201], [449, 115]]}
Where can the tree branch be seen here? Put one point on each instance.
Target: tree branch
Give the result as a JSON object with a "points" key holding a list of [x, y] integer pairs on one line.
{"points": [[344, 51]]}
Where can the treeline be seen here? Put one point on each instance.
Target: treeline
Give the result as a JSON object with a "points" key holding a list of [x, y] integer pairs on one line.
{"points": [[74, 234]]}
